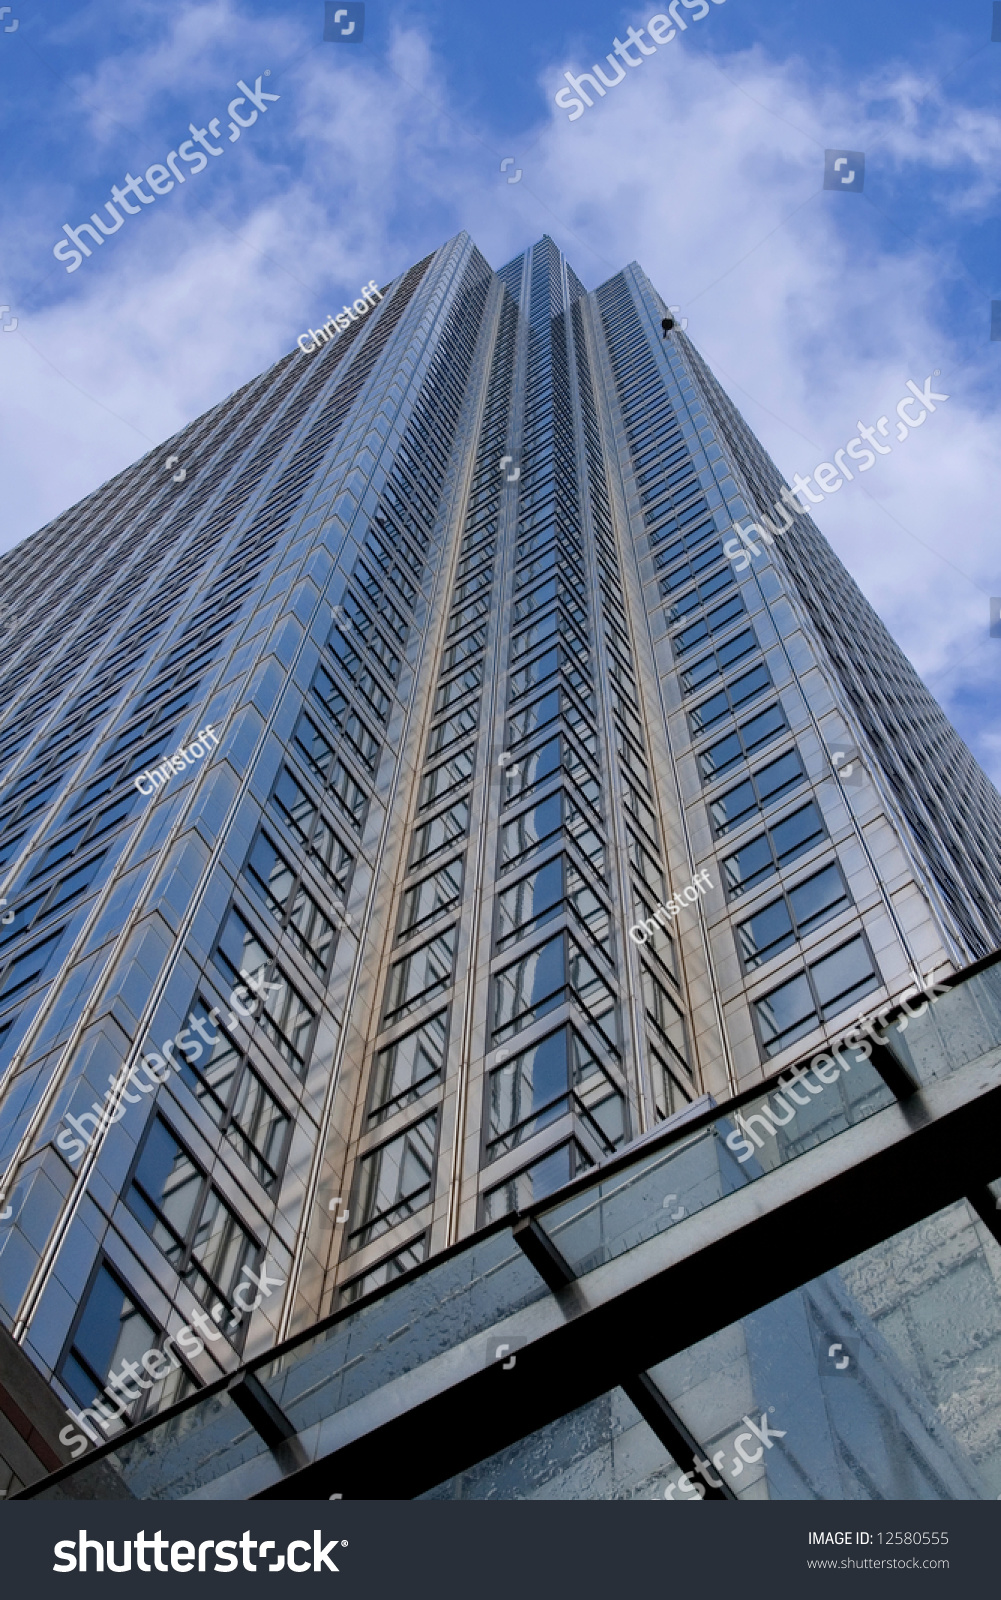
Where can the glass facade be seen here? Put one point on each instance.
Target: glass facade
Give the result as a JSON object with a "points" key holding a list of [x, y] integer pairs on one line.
{"points": [[413, 945]]}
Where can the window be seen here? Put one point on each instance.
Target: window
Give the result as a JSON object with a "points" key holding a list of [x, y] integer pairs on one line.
{"points": [[10, 847], [29, 912], [796, 914], [714, 622], [301, 815], [319, 757], [114, 814], [345, 719], [646, 867], [537, 765], [824, 989], [74, 885], [531, 828], [724, 656], [286, 1018], [456, 688], [363, 628], [394, 1181], [408, 1068], [664, 1014], [281, 888], [761, 789], [450, 775], [729, 700], [550, 662], [670, 1095], [534, 900], [776, 848], [188, 1220], [659, 943], [701, 595], [357, 670], [691, 563], [454, 728], [420, 975], [331, 857], [58, 852], [110, 1330], [542, 980], [238, 1102], [431, 897], [543, 1083], [560, 1166], [458, 654], [27, 968], [393, 1267], [441, 832], [742, 742]]}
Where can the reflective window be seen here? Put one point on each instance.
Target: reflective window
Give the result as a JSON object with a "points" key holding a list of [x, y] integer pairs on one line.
{"points": [[284, 1015], [394, 1181], [761, 789], [290, 903], [782, 843], [235, 1097], [670, 1094], [450, 775], [26, 969], [664, 1014], [345, 718], [409, 1067], [714, 622], [780, 924], [821, 991], [558, 1074], [421, 974], [728, 700], [188, 1220], [543, 979], [432, 896], [111, 1330], [393, 1267], [441, 831], [742, 742], [701, 594], [535, 1182], [541, 896], [454, 728]]}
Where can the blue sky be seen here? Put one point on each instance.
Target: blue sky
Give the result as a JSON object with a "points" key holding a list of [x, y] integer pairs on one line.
{"points": [[705, 165]]}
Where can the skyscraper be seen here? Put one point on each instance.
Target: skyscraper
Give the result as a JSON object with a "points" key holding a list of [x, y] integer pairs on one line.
{"points": [[284, 1014]]}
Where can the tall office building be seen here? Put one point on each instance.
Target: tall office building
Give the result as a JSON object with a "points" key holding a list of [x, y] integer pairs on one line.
{"points": [[462, 679]]}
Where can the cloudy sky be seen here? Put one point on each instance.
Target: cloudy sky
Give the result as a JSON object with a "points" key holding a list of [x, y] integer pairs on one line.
{"points": [[705, 165]]}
